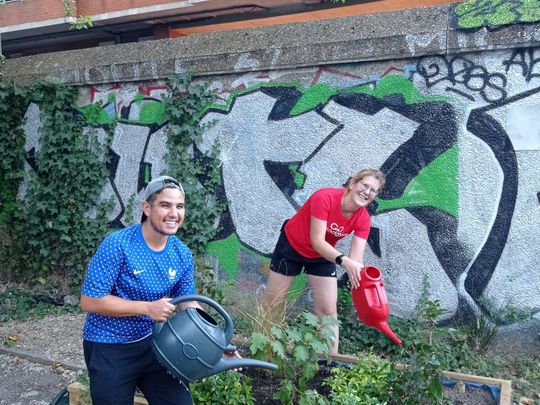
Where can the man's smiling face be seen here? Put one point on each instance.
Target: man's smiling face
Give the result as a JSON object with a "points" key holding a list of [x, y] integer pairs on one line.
{"points": [[166, 213]]}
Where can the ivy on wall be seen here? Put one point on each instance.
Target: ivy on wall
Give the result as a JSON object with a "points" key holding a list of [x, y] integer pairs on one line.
{"points": [[13, 103], [197, 171], [51, 231], [62, 213], [79, 22]]}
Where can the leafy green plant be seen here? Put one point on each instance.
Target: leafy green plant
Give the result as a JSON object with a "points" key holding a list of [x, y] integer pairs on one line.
{"points": [[367, 382], [78, 23], [223, 389], [61, 222], [208, 284], [421, 379], [13, 104], [295, 349], [525, 371], [21, 304], [197, 170], [84, 395], [130, 206]]}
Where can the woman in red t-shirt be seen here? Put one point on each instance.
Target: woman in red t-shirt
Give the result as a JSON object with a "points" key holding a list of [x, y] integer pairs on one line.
{"points": [[307, 241]]}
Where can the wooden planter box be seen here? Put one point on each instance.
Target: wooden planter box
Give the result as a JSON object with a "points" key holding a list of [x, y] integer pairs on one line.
{"points": [[505, 386], [78, 392]]}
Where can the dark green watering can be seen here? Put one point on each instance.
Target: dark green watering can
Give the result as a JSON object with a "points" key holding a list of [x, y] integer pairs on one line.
{"points": [[190, 344]]}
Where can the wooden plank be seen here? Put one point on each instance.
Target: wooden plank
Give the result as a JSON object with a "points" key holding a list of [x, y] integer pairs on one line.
{"points": [[76, 389]]}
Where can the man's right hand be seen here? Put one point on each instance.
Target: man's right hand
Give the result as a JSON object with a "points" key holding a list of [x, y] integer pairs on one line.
{"points": [[161, 310]]}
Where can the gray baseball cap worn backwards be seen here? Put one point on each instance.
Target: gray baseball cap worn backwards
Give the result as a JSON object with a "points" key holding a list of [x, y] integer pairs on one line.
{"points": [[158, 184]]}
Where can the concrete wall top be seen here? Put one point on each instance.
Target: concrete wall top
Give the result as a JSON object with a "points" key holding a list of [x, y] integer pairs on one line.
{"points": [[393, 35]]}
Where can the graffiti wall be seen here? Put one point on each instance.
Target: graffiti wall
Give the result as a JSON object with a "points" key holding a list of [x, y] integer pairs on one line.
{"points": [[457, 136]]}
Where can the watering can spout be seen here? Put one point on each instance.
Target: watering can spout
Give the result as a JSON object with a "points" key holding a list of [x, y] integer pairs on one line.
{"points": [[370, 302], [229, 364], [385, 328]]}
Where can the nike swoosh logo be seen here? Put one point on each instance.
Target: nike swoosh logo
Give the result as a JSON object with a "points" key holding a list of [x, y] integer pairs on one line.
{"points": [[137, 272]]}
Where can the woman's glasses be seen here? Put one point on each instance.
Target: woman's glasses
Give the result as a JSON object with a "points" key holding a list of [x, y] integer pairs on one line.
{"points": [[367, 188]]}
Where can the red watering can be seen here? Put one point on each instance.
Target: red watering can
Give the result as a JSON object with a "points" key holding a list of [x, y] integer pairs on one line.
{"points": [[370, 302]]}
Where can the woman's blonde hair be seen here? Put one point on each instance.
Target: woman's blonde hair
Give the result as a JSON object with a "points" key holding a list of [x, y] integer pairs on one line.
{"points": [[368, 171]]}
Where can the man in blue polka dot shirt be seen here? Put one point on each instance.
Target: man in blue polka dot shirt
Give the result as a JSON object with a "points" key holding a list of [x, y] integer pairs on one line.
{"points": [[129, 283]]}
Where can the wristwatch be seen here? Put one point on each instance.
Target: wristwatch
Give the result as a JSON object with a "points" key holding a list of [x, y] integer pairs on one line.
{"points": [[339, 259]]}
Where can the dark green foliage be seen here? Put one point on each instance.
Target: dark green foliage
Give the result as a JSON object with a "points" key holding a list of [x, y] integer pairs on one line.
{"points": [[21, 304], [296, 349], [367, 382], [51, 232], [62, 221], [198, 171], [13, 103], [428, 349], [224, 388]]}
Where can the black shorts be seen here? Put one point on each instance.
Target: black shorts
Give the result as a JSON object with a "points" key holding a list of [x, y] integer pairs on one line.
{"points": [[287, 261]]}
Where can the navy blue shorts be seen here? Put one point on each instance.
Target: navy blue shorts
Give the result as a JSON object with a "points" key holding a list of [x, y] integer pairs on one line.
{"points": [[287, 261], [116, 370]]}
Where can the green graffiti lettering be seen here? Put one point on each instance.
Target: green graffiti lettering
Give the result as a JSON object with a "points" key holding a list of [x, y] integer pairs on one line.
{"points": [[530, 10], [226, 252], [298, 176], [479, 13], [435, 186], [151, 113], [95, 114], [316, 95], [396, 85]]}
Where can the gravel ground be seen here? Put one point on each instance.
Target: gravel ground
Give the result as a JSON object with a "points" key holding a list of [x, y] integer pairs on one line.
{"points": [[45, 359]]}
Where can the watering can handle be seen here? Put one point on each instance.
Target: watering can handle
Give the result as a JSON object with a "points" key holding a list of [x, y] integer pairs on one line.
{"points": [[213, 304]]}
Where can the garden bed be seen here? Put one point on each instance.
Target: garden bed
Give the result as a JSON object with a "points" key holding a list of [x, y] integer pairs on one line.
{"points": [[463, 389]]}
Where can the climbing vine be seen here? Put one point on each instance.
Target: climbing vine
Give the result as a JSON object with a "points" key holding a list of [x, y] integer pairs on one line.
{"points": [[196, 169], [51, 229], [51, 218], [13, 103]]}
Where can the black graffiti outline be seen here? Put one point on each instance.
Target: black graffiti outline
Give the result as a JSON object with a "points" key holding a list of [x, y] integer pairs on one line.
{"points": [[525, 59], [489, 130], [448, 70]]}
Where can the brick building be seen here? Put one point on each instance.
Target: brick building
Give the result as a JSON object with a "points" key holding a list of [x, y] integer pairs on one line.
{"points": [[30, 27]]}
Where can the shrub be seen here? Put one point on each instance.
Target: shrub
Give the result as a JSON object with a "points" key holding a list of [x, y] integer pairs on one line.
{"points": [[224, 388], [295, 349], [367, 382]]}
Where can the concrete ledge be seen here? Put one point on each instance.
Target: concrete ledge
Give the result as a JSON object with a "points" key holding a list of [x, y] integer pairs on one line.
{"points": [[33, 357], [385, 36]]}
